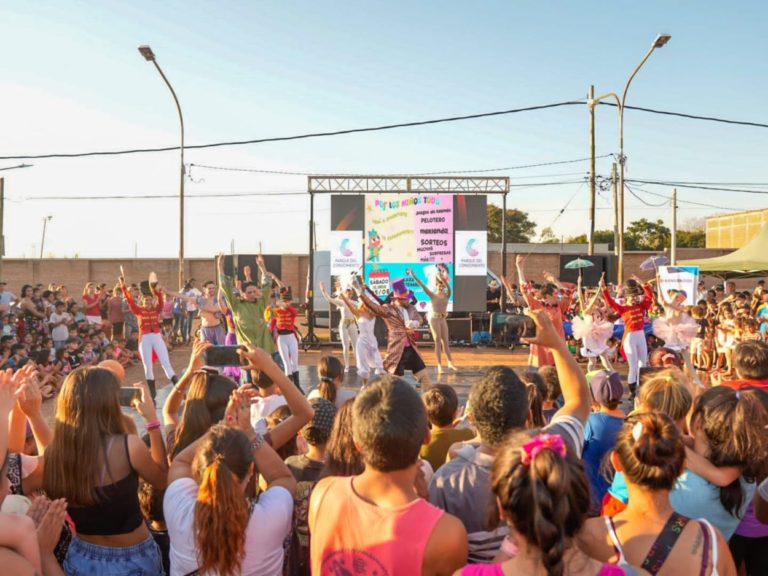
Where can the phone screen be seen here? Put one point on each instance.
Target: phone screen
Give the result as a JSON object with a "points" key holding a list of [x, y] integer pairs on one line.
{"points": [[128, 395], [222, 356]]}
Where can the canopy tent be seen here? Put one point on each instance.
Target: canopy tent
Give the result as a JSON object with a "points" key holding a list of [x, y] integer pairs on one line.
{"points": [[748, 261]]}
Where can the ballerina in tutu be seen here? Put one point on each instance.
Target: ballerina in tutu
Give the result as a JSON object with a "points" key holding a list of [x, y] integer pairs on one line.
{"points": [[593, 330], [677, 328]]}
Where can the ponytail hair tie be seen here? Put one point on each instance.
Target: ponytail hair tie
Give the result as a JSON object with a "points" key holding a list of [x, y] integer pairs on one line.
{"points": [[538, 444], [327, 379]]}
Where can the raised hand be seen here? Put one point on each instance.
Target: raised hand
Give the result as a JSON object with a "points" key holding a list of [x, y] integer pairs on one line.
{"points": [[144, 405], [546, 335], [30, 399], [197, 358], [49, 528], [254, 358]]}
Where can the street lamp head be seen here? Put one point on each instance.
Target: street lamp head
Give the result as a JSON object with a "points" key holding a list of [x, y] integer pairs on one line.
{"points": [[146, 51], [661, 39]]}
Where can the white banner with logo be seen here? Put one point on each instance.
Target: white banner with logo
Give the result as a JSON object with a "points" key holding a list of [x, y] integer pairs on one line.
{"points": [[471, 253], [685, 278], [346, 251]]}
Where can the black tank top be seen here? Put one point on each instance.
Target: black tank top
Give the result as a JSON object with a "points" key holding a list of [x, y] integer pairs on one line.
{"points": [[117, 510]]}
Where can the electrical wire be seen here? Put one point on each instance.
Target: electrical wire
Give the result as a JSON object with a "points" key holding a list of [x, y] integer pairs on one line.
{"points": [[669, 199], [714, 188], [664, 203], [689, 116], [299, 136], [476, 171], [380, 128]]}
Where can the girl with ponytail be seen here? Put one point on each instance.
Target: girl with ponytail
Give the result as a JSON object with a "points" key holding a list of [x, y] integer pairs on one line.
{"points": [[650, 532], [543, 494], [212, 527], [331, 372]]}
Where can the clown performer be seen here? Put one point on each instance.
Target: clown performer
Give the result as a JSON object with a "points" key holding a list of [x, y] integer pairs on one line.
{"points": [[367, 354], [437, 317], [593, 330], [284, 324], [676, 327], [348, 329], [637, 302], [545, 298], [402, 320], [150, 337]]}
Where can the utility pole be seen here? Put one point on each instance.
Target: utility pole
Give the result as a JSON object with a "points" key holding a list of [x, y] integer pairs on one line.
{"points": [[591, 232], [46, 219], [615, 211], [673, 243]]}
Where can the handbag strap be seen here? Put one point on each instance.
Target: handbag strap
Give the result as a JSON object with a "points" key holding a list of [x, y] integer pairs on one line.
{"points": [[662, 546]]}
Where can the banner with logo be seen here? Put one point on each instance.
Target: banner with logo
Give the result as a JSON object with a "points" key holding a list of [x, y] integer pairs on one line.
{"points": [[408, 231], [685, 278], [346, 252], [471, 253]]}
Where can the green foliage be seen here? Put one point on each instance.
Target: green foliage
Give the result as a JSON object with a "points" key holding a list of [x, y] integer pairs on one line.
{"points": [[519, 227], [691, 239], [600, 237], [646, 235]]}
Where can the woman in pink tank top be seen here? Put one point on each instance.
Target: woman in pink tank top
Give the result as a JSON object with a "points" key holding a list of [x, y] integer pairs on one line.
{"points": [[375, 522], [543, 494]]}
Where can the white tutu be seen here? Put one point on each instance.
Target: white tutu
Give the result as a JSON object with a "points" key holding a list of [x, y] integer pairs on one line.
{"points": [[593, 334], [677, 335]]}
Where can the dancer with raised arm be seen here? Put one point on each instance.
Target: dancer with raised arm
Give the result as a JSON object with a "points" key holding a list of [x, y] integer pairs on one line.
{"points": [[150, 337], [592, 329], [367, 356], [676, 327], [546, 298], [437, 317], [248, 310], [638, 302], [348, 329], [402, 320]]}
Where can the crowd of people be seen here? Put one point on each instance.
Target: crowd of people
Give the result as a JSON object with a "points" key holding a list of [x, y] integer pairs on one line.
{"points": [[556, 469]]}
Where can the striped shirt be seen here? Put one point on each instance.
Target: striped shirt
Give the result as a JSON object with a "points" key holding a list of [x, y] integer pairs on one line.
{"points": [[462, 487]]}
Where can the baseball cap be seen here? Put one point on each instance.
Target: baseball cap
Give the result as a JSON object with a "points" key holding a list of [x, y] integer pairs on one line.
{"points": [[322, 421], [606, 386]]}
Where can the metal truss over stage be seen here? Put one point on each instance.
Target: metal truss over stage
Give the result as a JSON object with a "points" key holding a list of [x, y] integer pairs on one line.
{"points": [[408, 184]]}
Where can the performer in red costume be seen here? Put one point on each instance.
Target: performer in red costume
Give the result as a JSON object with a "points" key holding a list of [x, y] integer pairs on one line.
{"points": [[284, 323], [150, 338], [638, 302]]}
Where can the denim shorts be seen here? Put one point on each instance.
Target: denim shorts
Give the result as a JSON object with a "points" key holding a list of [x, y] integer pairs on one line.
{"points": [[85, 559]]}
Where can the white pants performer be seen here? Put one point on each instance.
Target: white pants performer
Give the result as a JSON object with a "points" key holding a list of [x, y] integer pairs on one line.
{"points": [[154, 342], [367, 353], [348, 335], [288, 347], [636, 350]]}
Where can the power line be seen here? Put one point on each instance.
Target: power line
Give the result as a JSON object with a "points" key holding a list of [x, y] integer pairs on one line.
{"points": [[689, 116], [669, 198], [695, 187], [298, 136], [379, 128], [645, 201], [475, 171], [176, 196]]}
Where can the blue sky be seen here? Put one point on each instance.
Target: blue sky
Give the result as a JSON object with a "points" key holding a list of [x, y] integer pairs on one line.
{"points": [[72, 80]]}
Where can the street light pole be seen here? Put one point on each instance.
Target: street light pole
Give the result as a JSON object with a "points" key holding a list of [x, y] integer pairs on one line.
{"points": [[42, 242], [149, 56], [660, 41]]}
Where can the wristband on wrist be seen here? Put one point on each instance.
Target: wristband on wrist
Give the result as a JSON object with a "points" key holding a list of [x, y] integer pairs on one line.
{"points": [[257, 442], [154, 425]]}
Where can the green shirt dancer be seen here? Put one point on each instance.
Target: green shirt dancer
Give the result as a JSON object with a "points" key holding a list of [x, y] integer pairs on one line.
{"points": [[248, 311]]}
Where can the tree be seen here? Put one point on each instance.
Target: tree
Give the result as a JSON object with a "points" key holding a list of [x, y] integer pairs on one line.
{"points": [[547, 236], [600, 237], [646, 235], [691, 239], [519, 227]]}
